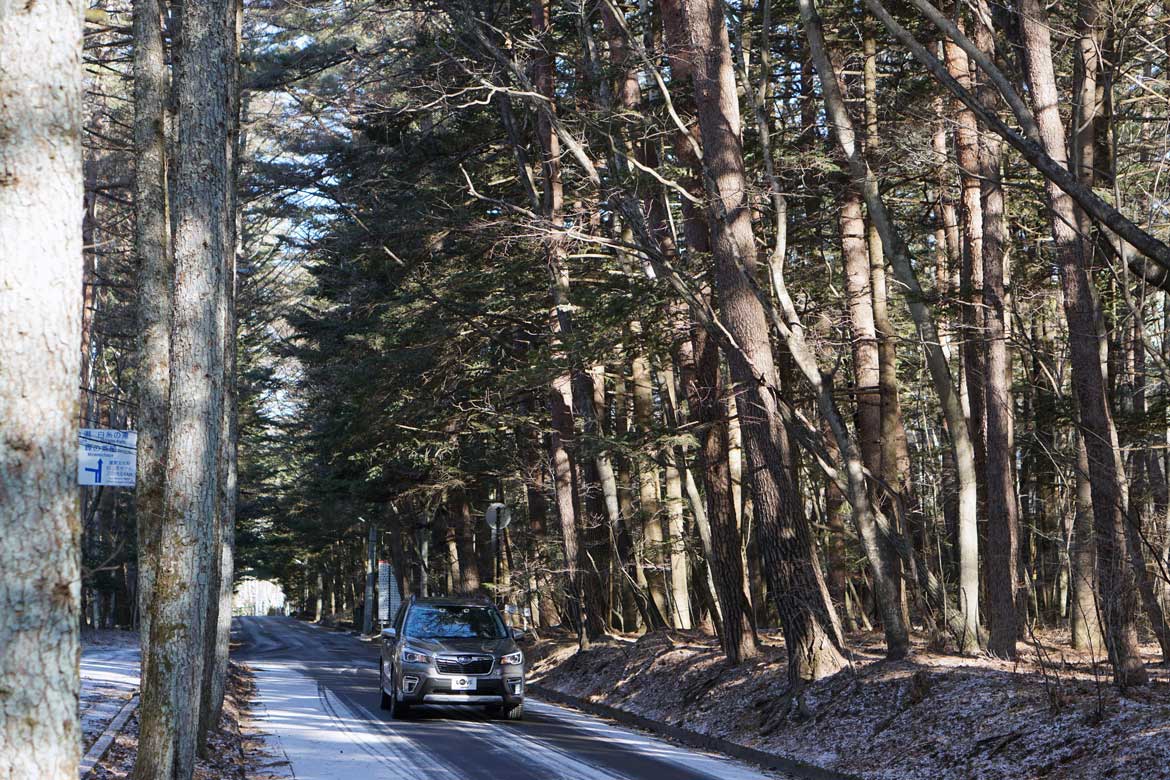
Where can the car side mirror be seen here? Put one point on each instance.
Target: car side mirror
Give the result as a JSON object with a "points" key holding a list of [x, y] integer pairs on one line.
{"points": [[390, 633], [519, 635]]}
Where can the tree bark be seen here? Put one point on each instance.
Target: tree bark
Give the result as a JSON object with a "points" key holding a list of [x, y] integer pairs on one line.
{"points": [[1085, 617], [170, 705], [653, 548], [152, 247], [796, 585], [41, 191], [859, 302], [971, 269], [1115, 578], [564, 470], [703, 387], [469, 576], [1002, 501], [674, 474], [895, 248], [219, 612]]}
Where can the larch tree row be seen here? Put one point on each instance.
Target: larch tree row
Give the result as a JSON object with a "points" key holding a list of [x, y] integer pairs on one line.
{"points": [[812, 315], [119, 268], [828, 317]]}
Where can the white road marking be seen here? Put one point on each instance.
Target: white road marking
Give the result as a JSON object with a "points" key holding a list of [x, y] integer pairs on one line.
{"points": [[701, 763], [559, 764]]}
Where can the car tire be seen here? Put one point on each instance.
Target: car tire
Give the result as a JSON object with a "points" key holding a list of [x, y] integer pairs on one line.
{"points": [[387, 701], [399, 710], [514, 713]]}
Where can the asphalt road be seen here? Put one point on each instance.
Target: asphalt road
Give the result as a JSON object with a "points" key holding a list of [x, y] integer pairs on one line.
{"points": [[320, 692]]}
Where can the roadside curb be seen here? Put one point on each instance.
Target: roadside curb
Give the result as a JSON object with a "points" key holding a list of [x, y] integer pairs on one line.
{"points": [[98, 750], [693, 739]]}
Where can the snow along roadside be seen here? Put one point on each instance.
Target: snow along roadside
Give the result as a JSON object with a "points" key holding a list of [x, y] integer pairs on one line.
{"points": [[311, 734], [109, 688], [693, 739]]}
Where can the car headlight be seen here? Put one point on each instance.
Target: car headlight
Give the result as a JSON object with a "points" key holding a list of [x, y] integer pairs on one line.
{"points": [[414, 657], [512, 659]]}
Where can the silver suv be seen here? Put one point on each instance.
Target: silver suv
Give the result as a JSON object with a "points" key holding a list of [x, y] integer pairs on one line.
{"points": [[452, 651]]}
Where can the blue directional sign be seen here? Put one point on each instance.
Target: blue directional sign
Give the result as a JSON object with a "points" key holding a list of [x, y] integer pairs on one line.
{"points": [[107, 457]]}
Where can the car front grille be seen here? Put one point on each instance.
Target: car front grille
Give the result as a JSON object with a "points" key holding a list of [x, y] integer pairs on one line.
{"points": [[465, 664]]}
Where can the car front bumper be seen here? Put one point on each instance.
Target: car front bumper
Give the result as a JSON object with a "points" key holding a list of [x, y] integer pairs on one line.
{"points": [[422, 685]]}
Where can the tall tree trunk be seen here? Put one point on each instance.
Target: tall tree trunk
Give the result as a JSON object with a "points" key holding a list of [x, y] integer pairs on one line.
{"points": [[369, 613], [41, 192], [319, 596], [635, 612], [454, 570], [1115, 577], [534, 481], [169, 711], [1085, 617], [560, 439], [796, 585], [895, 248], [703, 387], [991, 317], [858, 299], [705, 397], [152, 249], [460, 514], [649, 490], [674, 469], [971, 270], [895, 448], [219, 626]]}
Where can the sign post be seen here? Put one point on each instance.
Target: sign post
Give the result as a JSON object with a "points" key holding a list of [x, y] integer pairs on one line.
{"points": [[107, 457]]}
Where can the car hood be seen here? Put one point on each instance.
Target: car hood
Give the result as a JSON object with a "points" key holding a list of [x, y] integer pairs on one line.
{"points": [[464, 646]]}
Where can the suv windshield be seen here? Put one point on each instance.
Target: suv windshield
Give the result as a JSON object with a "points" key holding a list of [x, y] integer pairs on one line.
{"points": [[454, 622]]}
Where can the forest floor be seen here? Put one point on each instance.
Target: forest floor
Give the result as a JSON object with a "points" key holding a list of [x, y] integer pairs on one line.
{"points": [[1050, 715], [110, 666]]}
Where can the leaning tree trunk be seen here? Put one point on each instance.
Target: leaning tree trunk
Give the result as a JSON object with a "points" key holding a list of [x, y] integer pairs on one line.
{"points": [[171, 690], [1115, 578], [795, 583], [40, 327]]}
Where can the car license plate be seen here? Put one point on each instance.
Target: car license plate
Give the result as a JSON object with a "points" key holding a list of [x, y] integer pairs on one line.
{"points": [[463, 684]]}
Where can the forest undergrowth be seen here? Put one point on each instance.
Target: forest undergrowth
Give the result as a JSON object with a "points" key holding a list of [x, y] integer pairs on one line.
{"points": [[1049, 714]]}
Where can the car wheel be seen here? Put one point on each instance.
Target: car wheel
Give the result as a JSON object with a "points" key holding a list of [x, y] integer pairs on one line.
{"points": [[399, 710], [387, 701], [514, 713]]}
